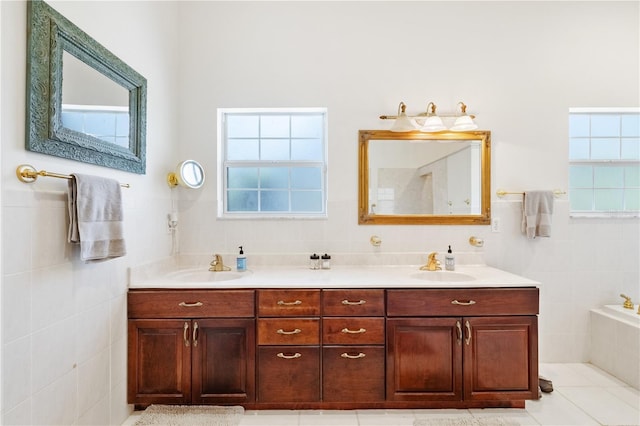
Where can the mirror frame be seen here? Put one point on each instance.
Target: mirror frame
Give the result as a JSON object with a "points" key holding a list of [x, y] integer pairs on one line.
{"points": [[48, 35], [365, 218]]}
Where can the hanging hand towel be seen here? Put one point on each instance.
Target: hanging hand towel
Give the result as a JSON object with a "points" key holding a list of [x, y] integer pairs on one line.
{"points": [[95, 213], [537, 209]]}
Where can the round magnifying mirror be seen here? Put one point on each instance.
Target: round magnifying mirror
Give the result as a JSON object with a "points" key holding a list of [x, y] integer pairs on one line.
{"points": [[189, 173]]}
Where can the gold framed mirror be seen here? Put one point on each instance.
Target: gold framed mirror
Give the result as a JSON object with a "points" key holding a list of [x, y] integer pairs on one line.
{"points": [[418, 178]]}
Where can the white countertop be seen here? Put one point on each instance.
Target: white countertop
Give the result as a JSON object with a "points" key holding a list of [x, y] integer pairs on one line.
{"points": [[465, 276]]}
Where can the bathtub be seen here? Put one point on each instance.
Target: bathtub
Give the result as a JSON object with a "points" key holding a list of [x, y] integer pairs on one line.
{"points": [[615, 342]]}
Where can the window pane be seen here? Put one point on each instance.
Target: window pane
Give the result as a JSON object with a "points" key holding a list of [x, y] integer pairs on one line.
{"points": [[306, 178], [605, 125], [579, 149], [608, 177], [306, 126], [274, 126], [578, 125], [608, 199], [242, 149], [605, 149], [581, 199], [630, 149], [274, 149], [242, 177], [631, 125], [632, 199], [242, 126], [632, 177], [274, 201], [274, 177], [580, 177], [306, 149], [242, 201], [306, 201]]}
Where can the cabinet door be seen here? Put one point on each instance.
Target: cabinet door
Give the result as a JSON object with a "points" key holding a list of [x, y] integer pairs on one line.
{"points": [[159, 361], [223, 360], [288, 374], [424, 359], [500, 358], [353, 373]]}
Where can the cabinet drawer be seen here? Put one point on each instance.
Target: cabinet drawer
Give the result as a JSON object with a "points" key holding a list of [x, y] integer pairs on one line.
{"points": [[464, 301], [288, 331], [352, 331], [289, 374], [191, 303], [353, 373], [288, 303], [353, 302]]}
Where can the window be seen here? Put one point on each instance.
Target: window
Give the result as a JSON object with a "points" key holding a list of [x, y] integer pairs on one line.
{"points": [[272, 162], [604, 161]]}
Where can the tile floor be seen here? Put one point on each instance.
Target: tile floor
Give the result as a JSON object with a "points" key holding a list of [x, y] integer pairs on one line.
{"points": [[583, 395]]}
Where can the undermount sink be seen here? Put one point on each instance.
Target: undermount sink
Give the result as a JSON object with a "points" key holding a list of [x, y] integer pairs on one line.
{"points": [[442, 276], [203, 276]]}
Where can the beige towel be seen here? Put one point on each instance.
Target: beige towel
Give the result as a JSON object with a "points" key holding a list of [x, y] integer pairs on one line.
{"points": [[95, 213], [537, 209]]}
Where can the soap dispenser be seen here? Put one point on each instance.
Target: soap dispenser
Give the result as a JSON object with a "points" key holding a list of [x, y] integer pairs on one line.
{"points": [[449, 260], [241, 261]]}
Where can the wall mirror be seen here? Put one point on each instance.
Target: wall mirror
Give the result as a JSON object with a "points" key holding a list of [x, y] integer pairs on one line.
{"points": [[188, 173], [83, 102], [424, 178]]}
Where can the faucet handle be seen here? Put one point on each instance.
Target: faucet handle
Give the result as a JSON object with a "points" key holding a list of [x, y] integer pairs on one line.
{"points": [[628, 304]]}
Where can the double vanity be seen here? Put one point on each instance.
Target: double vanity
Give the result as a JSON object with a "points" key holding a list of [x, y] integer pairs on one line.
{"points": [[344, 338]]}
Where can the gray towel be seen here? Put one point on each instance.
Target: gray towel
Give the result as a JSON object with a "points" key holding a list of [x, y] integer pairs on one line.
{"points": [[537, 209], [95, 213]]}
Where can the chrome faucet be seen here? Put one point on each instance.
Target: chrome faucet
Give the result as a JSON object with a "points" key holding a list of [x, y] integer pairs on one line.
{"points": [[217, 265], [433, 264]]}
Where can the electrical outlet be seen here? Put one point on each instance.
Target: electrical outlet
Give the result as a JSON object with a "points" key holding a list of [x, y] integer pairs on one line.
{"points": [[495, 224]]}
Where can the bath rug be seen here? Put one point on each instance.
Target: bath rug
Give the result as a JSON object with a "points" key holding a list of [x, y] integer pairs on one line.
{"points": [[190, 415], [467, 421]]}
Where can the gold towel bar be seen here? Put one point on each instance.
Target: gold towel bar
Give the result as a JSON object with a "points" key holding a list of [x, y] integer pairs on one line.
{"points": [[28, 174], [501, 192]]}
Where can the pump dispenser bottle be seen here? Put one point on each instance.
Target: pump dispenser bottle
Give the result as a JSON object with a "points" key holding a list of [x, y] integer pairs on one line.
{"points": [[241, 261], [449, 260]]}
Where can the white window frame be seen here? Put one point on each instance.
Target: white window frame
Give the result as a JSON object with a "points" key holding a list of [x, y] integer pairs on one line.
{"points": [[222, 212], [602, 213]]}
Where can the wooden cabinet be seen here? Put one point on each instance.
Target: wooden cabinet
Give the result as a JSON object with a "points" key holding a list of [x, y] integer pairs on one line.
{"points": [[288, 346], [192, 359], [433, 354], [334, 348]]}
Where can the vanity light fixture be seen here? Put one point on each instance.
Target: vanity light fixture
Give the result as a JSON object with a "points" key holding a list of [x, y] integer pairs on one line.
{"points": [[430, 120]]}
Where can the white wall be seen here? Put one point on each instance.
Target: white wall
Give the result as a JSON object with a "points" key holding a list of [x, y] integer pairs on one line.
{"points": [[518, 65], [63, 321]]}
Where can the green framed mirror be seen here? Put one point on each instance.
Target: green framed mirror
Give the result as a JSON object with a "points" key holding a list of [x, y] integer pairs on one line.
{"points": [[83, 102]]}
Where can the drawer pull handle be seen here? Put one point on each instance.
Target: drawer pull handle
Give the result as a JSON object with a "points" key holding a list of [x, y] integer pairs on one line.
{"points": [[292, 356], [348, 356], [468, 303], [190, 305], [350, 303], [347, 331], [283, 303], [195, 334], [286, 333], [185, 334]]}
